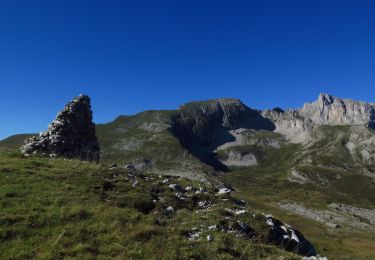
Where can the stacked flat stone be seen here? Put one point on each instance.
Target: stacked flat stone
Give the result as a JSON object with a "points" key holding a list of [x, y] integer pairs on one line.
{"points": [[70, 135]]}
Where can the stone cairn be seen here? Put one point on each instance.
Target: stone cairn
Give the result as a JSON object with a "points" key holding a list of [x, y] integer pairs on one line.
{"points": [[70, 135]]}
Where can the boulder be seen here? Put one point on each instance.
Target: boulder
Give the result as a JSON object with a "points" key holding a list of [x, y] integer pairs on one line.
{"points": [[176, 187], [290, 239]]}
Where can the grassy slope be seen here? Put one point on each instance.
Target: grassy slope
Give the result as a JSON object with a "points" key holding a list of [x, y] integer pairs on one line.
{"points": [[13, 142], [264, 185], [149, 138], [52, 208], [135, 138]]}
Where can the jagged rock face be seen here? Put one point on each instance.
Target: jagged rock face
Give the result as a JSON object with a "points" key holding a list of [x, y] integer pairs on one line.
{"points": [[201, 127], [200, 122], [297, 124], [290, 239], [237, 158], [70, 135], [329, 110], [290, 124]]}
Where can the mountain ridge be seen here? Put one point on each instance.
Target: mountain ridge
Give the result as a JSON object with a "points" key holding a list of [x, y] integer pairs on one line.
{"points": [[203, 139], [296, 164], [203, 126]]}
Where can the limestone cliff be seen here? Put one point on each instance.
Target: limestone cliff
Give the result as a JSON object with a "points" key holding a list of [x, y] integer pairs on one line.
{"points": [[296, 124], [329, 110]]}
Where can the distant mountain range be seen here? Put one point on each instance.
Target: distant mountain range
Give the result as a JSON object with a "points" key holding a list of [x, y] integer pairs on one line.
{"points": [[204, 138], [312, 165]]}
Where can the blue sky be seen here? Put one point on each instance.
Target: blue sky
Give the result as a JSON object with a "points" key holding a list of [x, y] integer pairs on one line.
{"points": [[136, 55]]}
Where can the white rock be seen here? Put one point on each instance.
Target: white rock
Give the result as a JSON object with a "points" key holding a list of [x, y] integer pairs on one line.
{"points": [[332, 225], [314, 258], [194, 236], [270, 222], [294, 237], [223, 191], [203, 204], [284, 228], [180, 196], [239, 212], [296, 124], [213, 227], [175, 187]]}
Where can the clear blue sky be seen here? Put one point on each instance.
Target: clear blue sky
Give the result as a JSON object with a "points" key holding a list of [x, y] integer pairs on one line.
{"points": [[135, 55]]}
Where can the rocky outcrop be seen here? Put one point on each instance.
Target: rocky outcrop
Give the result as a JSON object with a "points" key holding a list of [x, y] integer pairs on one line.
{"points": [[335, 215], [198, 122], [288, 238], [238, 158], [329, 110], [290, 124], [203, 126], [296, 124], [201, 121], [70, 135]]}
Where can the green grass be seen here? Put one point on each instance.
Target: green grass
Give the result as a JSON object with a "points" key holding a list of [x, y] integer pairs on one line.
{"points": [[13, 142], [55, 209], [265, 185], [159, 146], [262, 134], [60, 209], [329, 148], [265, 193], [273, 162]]}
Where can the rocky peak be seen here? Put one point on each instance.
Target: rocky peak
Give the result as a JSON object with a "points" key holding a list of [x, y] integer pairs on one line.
{"points": [[70, 135], [326, 110], [228, 112], [325, 99], [329, 110], [203, 126], [198, 121]]}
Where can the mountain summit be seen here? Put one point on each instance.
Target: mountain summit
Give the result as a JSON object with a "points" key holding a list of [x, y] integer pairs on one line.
{"points": [[329, 110], [297, 124]]}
